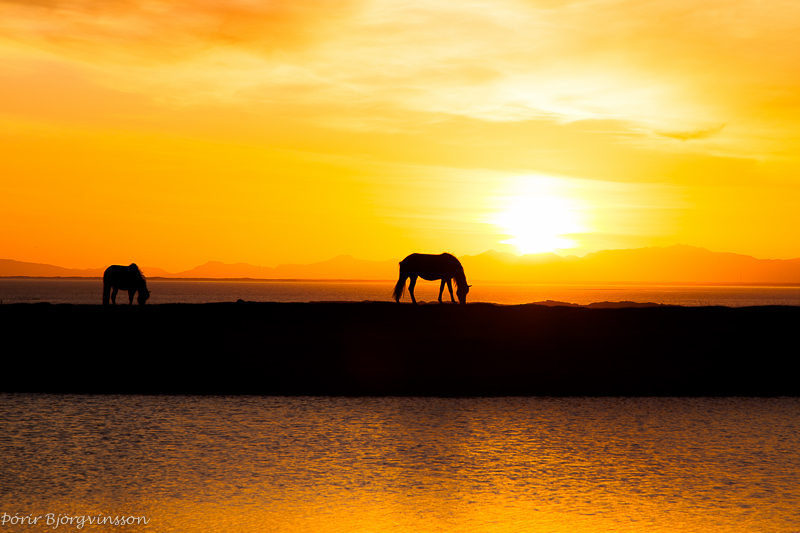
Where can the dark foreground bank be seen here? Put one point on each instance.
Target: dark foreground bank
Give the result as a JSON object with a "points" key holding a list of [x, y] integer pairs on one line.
{"points": [[390, 349]]}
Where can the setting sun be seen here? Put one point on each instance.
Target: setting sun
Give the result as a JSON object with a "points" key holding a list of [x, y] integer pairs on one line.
{"points": [[538, 219]]}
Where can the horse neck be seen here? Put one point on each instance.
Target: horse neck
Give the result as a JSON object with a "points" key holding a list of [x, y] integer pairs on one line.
{"points": [[140, 281], [460, 277]]}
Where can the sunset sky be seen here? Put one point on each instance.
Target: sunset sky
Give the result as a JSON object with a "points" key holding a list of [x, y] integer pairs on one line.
{"points": [[267, 132]]}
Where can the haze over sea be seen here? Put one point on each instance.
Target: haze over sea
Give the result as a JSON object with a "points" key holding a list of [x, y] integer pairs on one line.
{"points": [[163, 291]]}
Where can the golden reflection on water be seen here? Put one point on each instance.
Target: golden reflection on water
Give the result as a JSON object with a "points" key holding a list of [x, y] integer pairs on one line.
{"points": [[415, 465]]}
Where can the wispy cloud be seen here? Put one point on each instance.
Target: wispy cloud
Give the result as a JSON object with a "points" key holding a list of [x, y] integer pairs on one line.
{"points": [[692, 135]]}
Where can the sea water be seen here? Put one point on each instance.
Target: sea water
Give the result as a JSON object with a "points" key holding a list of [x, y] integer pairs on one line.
{"points": [[89, 291], [419, 465]]}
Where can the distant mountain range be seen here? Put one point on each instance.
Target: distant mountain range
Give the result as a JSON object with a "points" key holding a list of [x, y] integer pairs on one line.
{"points": [[672, 264], [341, 267]]}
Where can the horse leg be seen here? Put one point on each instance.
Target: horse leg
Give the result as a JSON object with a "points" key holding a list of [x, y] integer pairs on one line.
{"points": [[114, 295], [411, 285], [450, 288], [441, 290], [106, 291], [131, 294]]}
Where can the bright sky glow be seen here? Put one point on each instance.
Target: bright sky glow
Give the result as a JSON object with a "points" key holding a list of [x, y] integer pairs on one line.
{"points": [[173, 133]]}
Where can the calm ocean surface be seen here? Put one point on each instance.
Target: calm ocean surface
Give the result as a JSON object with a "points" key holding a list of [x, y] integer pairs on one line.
{"points": [[418, 465], [89, 291]]}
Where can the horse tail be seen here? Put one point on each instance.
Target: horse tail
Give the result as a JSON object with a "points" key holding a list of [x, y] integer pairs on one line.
{"points": [[106, 292], [399, 289], [400, 286]]}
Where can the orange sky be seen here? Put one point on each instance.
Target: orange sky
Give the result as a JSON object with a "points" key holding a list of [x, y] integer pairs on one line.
{"points": [[173, 133]]}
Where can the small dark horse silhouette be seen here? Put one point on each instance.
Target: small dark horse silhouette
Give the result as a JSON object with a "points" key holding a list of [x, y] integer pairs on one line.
{"points": [[124, 278], [431, 267]]}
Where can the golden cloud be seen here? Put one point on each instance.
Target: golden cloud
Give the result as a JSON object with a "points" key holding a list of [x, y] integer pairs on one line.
{"points": [[655, 66], [166, 30]]}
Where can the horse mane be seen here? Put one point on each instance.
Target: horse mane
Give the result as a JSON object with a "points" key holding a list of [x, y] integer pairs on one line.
{"points": [[460, 273], [139, 272]]}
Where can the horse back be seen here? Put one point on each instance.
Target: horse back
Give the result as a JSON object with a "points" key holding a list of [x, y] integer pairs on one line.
{"points": [[432, 266], [113, 272], [120, 277]]}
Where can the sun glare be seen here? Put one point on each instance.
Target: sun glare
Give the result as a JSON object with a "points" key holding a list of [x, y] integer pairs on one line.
{"points": [[539, 219]]}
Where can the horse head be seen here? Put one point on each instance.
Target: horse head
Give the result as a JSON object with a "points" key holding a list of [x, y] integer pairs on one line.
{"points": [[461, 293], [144, 294]]}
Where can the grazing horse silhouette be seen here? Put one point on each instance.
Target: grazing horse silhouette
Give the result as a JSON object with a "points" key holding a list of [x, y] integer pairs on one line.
{"points": [[431, 267], [124, 278]]}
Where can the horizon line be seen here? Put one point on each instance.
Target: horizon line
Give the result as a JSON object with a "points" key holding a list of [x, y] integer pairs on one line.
{"points": [[475, 281]]}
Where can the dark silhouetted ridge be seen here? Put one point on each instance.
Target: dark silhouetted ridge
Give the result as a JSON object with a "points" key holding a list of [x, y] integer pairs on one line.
{"points": [[386, 348]]}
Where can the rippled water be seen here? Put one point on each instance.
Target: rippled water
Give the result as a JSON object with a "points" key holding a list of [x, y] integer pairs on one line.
{"points": [[89, 291], [277, 464]]}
